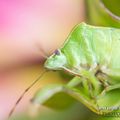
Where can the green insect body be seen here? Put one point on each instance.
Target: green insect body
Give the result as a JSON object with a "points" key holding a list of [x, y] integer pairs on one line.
{"points": [[91, 54]]}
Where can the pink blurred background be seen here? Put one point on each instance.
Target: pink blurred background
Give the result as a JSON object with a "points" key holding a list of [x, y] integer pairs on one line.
{"points": [[26, 25]]}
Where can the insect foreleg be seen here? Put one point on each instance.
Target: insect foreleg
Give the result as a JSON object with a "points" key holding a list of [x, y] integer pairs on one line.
{"points": [[74, 82], [84, 93], [85, 87], [85, 75], [92, 80]]}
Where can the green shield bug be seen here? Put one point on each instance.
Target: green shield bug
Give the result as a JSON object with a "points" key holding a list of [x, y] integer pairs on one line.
{"points": [[91, 54]]}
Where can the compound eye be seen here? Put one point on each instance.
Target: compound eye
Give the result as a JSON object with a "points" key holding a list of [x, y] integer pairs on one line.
{"points": [[57, 52]]}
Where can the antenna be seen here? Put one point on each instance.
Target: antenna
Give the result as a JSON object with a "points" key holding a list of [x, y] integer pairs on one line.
{"points": [[26, 90]]}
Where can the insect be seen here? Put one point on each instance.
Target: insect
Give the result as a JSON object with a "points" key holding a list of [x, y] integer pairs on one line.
{"points": [[91, 54]]}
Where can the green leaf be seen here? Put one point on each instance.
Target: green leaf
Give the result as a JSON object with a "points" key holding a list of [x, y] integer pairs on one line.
{"points": [[103, 12], [54, 96], [60, 97]]}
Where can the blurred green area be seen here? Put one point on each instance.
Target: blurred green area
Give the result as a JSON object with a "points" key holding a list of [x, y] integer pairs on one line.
{"points": [[103, 12], [96, 15], [75, 112], [113, 6]]}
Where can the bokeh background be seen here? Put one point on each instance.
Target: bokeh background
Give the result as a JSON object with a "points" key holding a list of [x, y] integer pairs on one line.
{"points": [[30, 30], [25, 27]]}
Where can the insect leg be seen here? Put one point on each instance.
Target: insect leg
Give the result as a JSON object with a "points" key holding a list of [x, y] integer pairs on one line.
{"points": [[92, 80], [74, 82], [93, 96], [85, 89], [107, 89]]}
